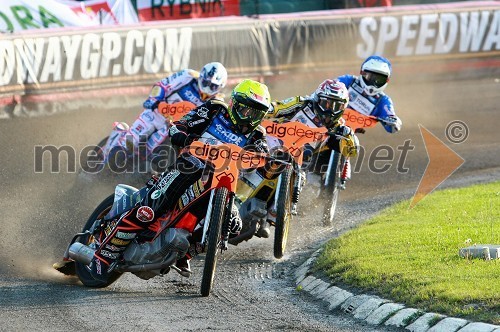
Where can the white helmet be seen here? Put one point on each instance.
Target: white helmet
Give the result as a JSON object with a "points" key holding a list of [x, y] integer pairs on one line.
{"points": [[213, 78], [375, 73]]}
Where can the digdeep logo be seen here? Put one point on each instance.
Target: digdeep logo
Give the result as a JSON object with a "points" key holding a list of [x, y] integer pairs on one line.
{"points": [[181, 108], [280, 131], [362, 121], [214, 152]]}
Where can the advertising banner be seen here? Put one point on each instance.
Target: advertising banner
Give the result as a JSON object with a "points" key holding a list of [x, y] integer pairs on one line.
{"points": [[20, 15], [127, 56], [184, 9]]}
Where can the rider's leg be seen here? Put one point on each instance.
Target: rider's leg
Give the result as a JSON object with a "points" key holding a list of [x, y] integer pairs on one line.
{"points": [[141, 129], [183, 265], [157, 138]]}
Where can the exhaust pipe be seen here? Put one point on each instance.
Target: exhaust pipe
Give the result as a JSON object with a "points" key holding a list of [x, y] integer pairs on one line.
{"points": [[81, 253], [84, 254]]}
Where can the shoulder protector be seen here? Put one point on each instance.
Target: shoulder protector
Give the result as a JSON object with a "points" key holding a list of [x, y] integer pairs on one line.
{"points": [[286, 106], [217, 101], [193, 73]]}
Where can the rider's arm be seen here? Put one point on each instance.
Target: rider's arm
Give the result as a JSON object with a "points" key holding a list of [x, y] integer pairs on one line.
{"points": [[258, 140], [195, 122], [347, 79], [163, 89], [385, 110], [285, 108], [344, 138]]}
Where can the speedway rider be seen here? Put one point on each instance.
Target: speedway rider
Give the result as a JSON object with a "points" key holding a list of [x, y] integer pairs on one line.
{"points": [[185, 85], [212, 122], [366, 95], [324, 108]]}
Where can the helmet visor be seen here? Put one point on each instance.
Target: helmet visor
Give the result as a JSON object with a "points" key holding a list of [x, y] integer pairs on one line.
{"points": [[374, 79], [207, 85], [330, 106]]}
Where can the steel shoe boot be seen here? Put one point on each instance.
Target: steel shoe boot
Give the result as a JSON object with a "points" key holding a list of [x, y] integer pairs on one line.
{"points": [[264, 230], [183, 267]]}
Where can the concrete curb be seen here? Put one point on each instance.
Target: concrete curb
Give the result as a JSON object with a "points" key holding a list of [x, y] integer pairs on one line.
{"points": [[376, 311]]}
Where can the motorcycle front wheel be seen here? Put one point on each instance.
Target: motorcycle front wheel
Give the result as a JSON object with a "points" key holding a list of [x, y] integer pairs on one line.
{"points": [[283, 212], [330, 188], [82, 270], [219, 210]]}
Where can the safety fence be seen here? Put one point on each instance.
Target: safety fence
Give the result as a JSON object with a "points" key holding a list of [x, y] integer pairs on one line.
{"points": [[71, 60]]}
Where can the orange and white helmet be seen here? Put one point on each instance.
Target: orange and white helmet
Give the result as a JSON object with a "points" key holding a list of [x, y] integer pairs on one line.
{"points": [[330, 99]]}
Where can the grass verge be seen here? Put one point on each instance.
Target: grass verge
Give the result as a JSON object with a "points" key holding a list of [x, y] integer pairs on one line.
{"points": [[411, 255]]}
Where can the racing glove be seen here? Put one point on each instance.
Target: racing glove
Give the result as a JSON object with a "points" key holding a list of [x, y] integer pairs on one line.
{"points": [[260, 145], [235, 223], [343, 131], [178, 137], [392, 124]]}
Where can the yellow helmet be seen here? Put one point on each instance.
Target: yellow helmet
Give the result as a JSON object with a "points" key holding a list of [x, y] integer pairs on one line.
{"points": [[250, 101]]}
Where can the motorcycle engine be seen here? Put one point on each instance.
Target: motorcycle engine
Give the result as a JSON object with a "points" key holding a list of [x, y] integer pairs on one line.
{"points": [[158, 250]]}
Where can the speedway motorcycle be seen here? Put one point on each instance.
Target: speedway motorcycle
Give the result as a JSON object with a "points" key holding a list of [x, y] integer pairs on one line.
{"points": [[332, 165], [271, 190], [118, 148], [202, 214]]}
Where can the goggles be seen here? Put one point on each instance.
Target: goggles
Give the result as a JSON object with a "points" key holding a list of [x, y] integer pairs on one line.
{"points": [[328, 105], [374, 79], [248, 114], [208, 85]]}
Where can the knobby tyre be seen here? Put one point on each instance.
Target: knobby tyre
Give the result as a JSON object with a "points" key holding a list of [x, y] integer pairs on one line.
{"points": [[330, 192], [83, 271], [283, 212], [219, 207]]}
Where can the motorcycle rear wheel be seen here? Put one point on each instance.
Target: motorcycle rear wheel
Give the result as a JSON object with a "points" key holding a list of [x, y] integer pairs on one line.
{"points": [[283, 212], [82, 270], [219, 210], [330, 192]]}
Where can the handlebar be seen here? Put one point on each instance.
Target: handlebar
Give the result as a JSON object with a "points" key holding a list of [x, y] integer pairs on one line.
{"points": [[278, 161]]}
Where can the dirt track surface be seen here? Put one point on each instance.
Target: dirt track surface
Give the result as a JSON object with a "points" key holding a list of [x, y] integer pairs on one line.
{"points": [[253, 291]]}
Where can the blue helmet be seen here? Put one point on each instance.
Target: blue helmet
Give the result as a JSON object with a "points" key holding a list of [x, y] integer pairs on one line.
{"points": [[375, 73]]}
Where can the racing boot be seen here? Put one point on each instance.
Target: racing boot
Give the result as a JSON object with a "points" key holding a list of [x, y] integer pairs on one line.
{"points": [[264, 230], [117, 237], [183, 267]]}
